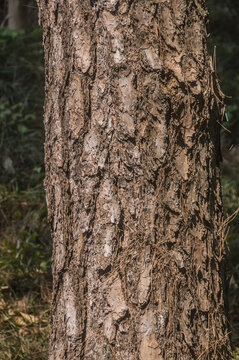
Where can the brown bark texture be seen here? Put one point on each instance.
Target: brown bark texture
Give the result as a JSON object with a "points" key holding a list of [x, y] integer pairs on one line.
{"points": [[132, 181]]}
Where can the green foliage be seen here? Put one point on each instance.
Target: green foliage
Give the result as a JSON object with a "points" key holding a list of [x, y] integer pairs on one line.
{"points": [[23, 331], [25, 247], [25, 275], [24, 327], [22, 259], [19, 145], [236, 354], [25, 241], [21, 72], [21, 103]]}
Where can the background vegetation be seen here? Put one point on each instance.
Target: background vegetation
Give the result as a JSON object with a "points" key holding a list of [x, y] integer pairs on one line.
{"points": [[25, 245]]}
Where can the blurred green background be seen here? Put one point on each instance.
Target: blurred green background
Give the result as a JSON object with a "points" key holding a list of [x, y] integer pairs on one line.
{"points": [[25, 245]]}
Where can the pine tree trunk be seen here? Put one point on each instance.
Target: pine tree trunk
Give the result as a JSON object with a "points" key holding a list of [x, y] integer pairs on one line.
{"points": [[133, 181]]}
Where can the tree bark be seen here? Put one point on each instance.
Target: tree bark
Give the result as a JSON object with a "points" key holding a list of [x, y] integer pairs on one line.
{"points": [[133, 181]]}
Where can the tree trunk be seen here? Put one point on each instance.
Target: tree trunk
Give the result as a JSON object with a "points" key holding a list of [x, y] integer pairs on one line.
{"points": [[133, 181], [15, 15]]}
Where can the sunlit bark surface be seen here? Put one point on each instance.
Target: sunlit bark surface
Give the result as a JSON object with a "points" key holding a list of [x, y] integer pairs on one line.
{"points": [[132, 181]]}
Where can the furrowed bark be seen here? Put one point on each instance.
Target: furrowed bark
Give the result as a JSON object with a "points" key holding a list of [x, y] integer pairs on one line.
{"points": [[133, 181]]}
